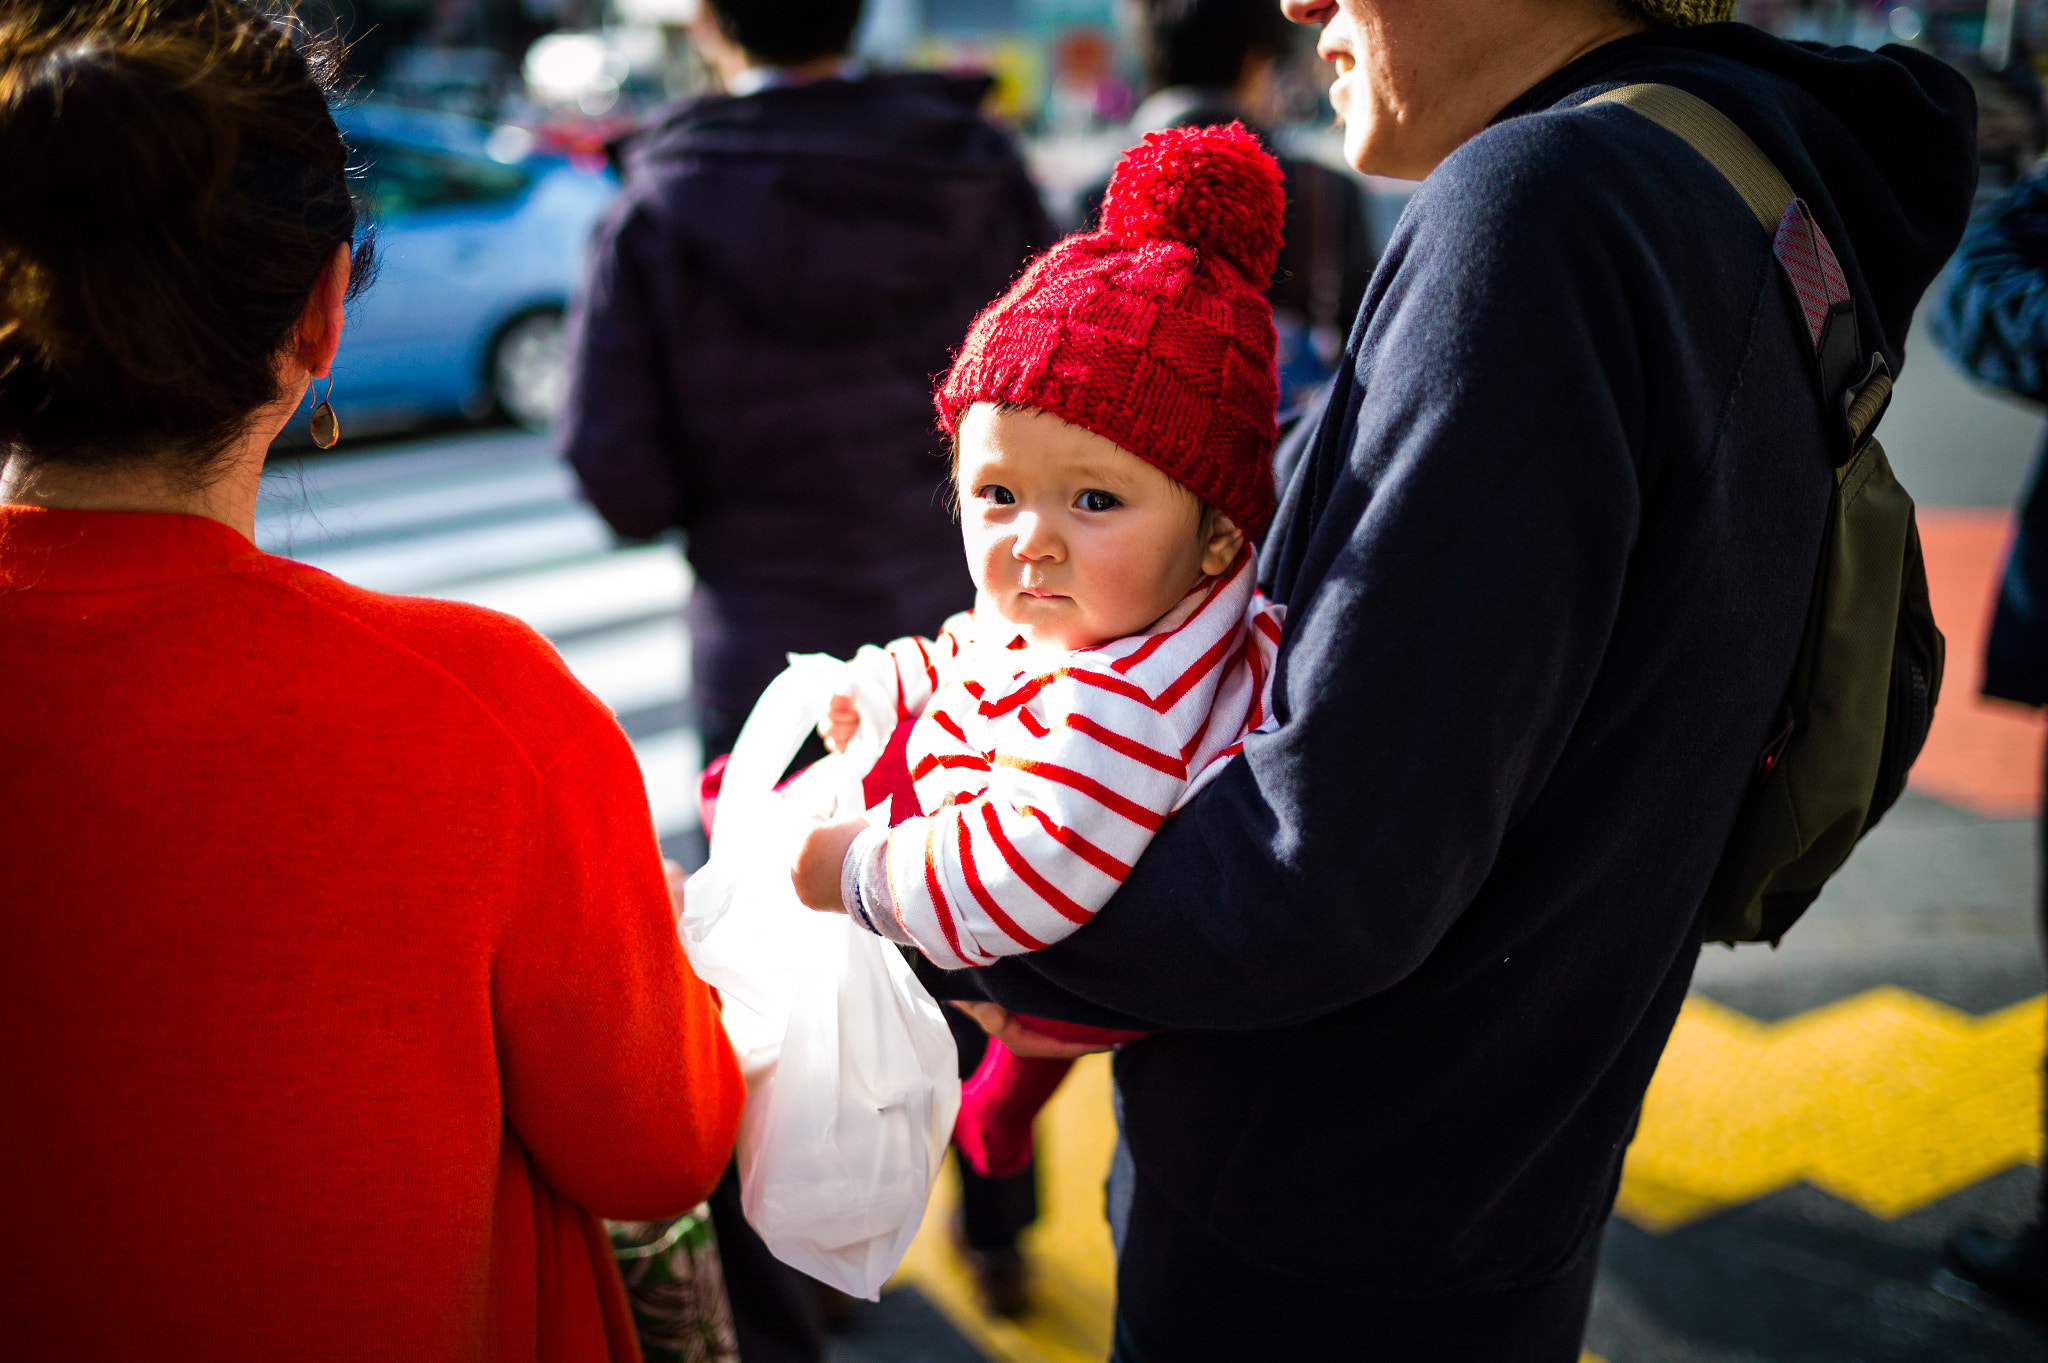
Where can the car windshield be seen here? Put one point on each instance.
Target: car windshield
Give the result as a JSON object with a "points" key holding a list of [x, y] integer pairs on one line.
{"points": [[400, 179]]}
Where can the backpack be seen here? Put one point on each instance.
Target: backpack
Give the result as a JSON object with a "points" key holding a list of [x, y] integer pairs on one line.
{"points": [[1869, 666]]}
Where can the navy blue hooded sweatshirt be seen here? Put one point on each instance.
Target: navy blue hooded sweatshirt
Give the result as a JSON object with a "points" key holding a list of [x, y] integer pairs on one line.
{"points": [[770, 300], [1546, 557]]}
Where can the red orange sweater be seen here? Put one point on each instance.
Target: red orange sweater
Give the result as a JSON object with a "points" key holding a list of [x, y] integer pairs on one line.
{"points": [[337, 975]]}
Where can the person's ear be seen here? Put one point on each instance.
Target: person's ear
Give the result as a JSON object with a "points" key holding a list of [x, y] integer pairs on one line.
{"points": [[720, 52], [1222, 541], [320, 323]]}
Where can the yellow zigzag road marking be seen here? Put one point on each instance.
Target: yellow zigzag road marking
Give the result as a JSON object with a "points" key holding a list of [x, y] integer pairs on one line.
{"points": [[1072, 1265], [1887, 1100]]}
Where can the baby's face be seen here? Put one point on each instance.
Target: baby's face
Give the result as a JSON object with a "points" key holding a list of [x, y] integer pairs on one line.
{"points": [[1074, 539]]}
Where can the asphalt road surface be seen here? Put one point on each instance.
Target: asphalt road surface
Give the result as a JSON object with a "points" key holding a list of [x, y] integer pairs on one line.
{"points": [[1828, 1113]]}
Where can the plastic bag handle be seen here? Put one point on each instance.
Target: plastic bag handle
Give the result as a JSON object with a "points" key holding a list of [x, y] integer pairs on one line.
{"points": [[788, 712]]}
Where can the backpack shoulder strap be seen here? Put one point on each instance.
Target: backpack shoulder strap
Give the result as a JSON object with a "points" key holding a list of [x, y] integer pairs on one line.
{"points": [[1869, 662], [1713, 135], [1856, 387]]}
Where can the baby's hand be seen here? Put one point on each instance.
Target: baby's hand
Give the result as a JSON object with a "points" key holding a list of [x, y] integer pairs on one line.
{"points": [[818, 859], [839, 724]]}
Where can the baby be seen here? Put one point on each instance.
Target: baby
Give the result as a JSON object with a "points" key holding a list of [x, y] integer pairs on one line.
{"points": [[1113, 425]]}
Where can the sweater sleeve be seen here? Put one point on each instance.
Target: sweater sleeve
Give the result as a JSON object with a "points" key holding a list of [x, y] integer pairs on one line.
{"points": [[1453, 547], [616, 428], [614, 1066], [1993, 321]]}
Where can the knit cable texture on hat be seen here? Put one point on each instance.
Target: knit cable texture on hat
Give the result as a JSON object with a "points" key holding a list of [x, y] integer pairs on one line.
{"points": [[1685, 13], [1154, 332]]}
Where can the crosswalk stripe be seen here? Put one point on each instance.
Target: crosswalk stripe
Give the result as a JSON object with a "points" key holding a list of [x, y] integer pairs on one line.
{"points": [[621, 586], [541, 488], [670, 762], [494, 520], [635, 668], [418, 566], [415, 462]]}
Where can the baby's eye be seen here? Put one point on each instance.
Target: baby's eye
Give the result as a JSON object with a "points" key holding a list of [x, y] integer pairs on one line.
{"points": [[1093, 500], [1001, 496]]}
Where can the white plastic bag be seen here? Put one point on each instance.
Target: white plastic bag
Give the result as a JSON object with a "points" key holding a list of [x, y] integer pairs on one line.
{"points": [[852, 1079]]}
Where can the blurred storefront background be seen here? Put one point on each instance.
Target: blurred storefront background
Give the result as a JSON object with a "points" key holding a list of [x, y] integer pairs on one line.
{"points": [[482, 128], [1062, 66], [576, 73], [2001, 45]]}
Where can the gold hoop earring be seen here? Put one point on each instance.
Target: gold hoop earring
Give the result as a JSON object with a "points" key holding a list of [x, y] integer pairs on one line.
{"points": [[325, 426]]}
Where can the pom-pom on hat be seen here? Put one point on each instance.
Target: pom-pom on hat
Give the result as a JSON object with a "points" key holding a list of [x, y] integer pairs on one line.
{"points": [[1154, 332]]}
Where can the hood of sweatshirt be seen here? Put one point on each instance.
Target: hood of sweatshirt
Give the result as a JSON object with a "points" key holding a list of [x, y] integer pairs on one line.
{"points": [[1882, 145], [828, 211]]}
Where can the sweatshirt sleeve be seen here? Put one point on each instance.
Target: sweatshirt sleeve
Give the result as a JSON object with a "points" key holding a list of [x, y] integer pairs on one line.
{"points": [[613, 1063], [1453, 546], [1993, 321], [616, 428]]}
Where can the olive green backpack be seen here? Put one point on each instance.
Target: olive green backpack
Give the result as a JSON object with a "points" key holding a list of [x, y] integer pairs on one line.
{"points": [[1869, 669]]}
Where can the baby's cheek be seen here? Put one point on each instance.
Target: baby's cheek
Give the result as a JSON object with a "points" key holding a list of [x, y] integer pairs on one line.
{"points": [[1129, 589], [983, 553]]}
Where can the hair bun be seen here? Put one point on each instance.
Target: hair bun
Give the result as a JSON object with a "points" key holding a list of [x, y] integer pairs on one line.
{"points": [[74, 108], [1214, 188]]}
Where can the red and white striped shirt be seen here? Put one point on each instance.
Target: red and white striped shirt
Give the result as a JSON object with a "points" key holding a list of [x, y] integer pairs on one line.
{"points": [[1043, 775]]}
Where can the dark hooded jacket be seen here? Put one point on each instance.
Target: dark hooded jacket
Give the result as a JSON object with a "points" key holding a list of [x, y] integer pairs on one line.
{"points": [[769, 301], [1546, 557]]}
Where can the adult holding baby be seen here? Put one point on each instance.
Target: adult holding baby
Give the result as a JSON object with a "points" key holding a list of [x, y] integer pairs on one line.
{"points": [[340, 979], [1545, 561]]}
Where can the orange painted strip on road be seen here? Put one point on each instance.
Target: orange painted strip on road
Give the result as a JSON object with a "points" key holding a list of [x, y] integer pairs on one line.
{"points": [[1984, 755]]}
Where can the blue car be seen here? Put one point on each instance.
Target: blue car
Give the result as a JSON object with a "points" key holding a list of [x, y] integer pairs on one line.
{"points": [[480, 244]]}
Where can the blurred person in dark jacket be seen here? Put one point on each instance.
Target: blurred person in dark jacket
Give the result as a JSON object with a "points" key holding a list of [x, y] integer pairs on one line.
{"points": [[1214, 61], [788, 266], [1994, 323], [786, 269]]}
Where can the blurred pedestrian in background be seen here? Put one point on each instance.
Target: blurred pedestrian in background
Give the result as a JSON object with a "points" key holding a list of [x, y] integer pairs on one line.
{"points": [[1212, 61], [339, 977], [1994, 323], [785, 271], [782, 276]]}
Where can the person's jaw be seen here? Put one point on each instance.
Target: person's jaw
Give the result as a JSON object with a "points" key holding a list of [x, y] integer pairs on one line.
{"points": [[1417, 78]]}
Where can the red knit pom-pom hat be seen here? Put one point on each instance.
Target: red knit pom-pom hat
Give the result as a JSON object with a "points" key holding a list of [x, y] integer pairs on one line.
{"points": [[1154, 332]]}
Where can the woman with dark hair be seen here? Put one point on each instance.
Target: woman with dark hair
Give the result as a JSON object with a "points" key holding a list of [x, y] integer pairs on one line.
{"points": [[339, 979]]}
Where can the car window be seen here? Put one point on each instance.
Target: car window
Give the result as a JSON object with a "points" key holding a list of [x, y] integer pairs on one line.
{"points": [[400, 179]]}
